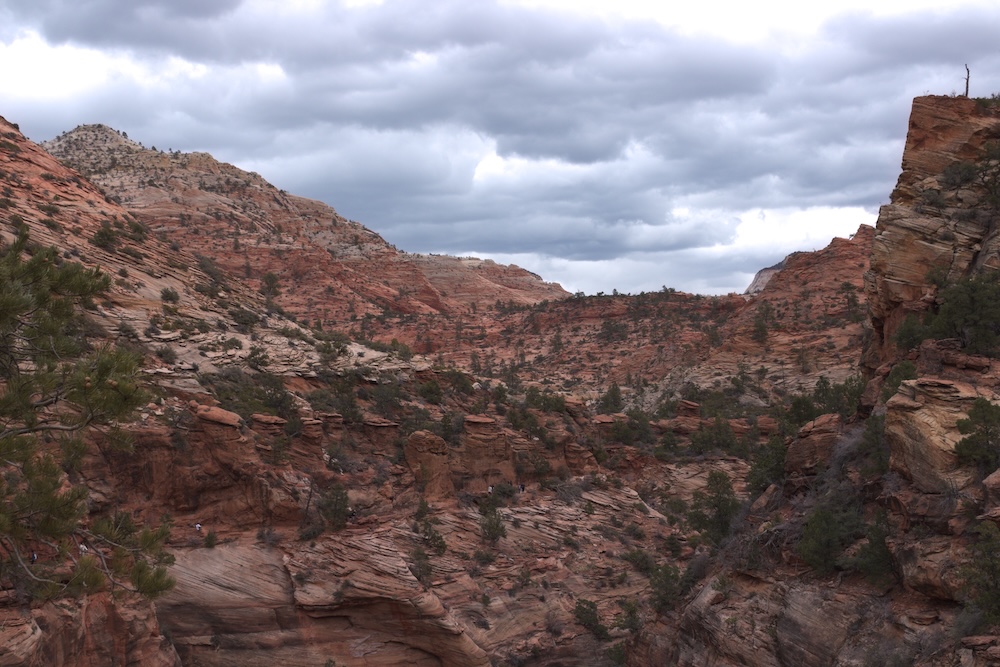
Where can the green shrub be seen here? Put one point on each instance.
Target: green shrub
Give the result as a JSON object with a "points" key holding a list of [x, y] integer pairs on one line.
{"points": [[873, 447], [331, 345], [665, 587], [612, 331], [717, 437], [904, 370], [634, 430], [423, 510], [458, 381], [258, 357], [244, 319], [982, 573], [232, 343], [874, 560], [338, 397], [617, 653], [433, 538], [386, 398], [246, 394], [981, 445], [958, 174], [713, 510], [333, 506], [641, 560], [629, 619], [484, 557], [970, 311], [768, 465], [211, 270], [586, 615], [269, 285], [827, 531], [611, 402], [840, 398], [911, 332], [105, 238], [169, 295], [431, 392], [546, 401], [420, 565], [762, 320], [803, 409], [492, 527]]}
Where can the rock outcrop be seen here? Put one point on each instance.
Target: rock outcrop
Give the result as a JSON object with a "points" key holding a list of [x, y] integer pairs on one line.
{"points": [[937, 226]]}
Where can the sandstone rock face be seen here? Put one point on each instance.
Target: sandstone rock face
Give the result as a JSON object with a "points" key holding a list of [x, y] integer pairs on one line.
{"points": [[763, 623], [219, 416], [920, 427], [764, 276], [929, 228], [813, 446], [427, 456], [257, 606], [484, 458], [93, 632], [932, 566]]}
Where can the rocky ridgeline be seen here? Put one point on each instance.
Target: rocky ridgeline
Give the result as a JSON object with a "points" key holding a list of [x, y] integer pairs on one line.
{"points": [[331, 268], [475, 313], [808, 322], [339, 496]]}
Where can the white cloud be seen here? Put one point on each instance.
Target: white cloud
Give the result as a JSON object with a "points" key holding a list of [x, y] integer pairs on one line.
{"points": [[32, 69], [758, 239], [739, 21], [611, 145], [787, 230]]}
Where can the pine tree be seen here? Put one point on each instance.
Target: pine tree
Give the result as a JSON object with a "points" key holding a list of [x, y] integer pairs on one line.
{"points": [[981, 444], [982, 572], [492, 527], [713, 510], [611, 402], [54, 390]]}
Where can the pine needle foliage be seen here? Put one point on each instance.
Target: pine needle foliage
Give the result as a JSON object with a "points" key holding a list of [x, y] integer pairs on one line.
{"points": [[981, 445], [55, 388]]}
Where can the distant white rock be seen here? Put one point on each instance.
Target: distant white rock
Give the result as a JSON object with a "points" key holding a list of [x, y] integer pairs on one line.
{"points": [[764, 276]]}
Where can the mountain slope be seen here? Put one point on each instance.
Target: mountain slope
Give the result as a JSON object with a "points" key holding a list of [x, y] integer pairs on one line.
{"points": [[332, 267]]}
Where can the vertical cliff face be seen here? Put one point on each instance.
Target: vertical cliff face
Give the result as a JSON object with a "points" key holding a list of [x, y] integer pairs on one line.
{"points": [[940, 224]]}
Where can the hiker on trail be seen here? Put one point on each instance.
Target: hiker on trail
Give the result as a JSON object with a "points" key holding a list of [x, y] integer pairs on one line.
{"points": [[197, 527]]}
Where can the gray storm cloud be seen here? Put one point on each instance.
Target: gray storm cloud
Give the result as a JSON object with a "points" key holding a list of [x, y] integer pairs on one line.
{"points": [[389, 113]]}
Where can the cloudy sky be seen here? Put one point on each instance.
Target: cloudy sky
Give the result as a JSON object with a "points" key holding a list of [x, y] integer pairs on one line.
{"points": [[602, 144]]}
